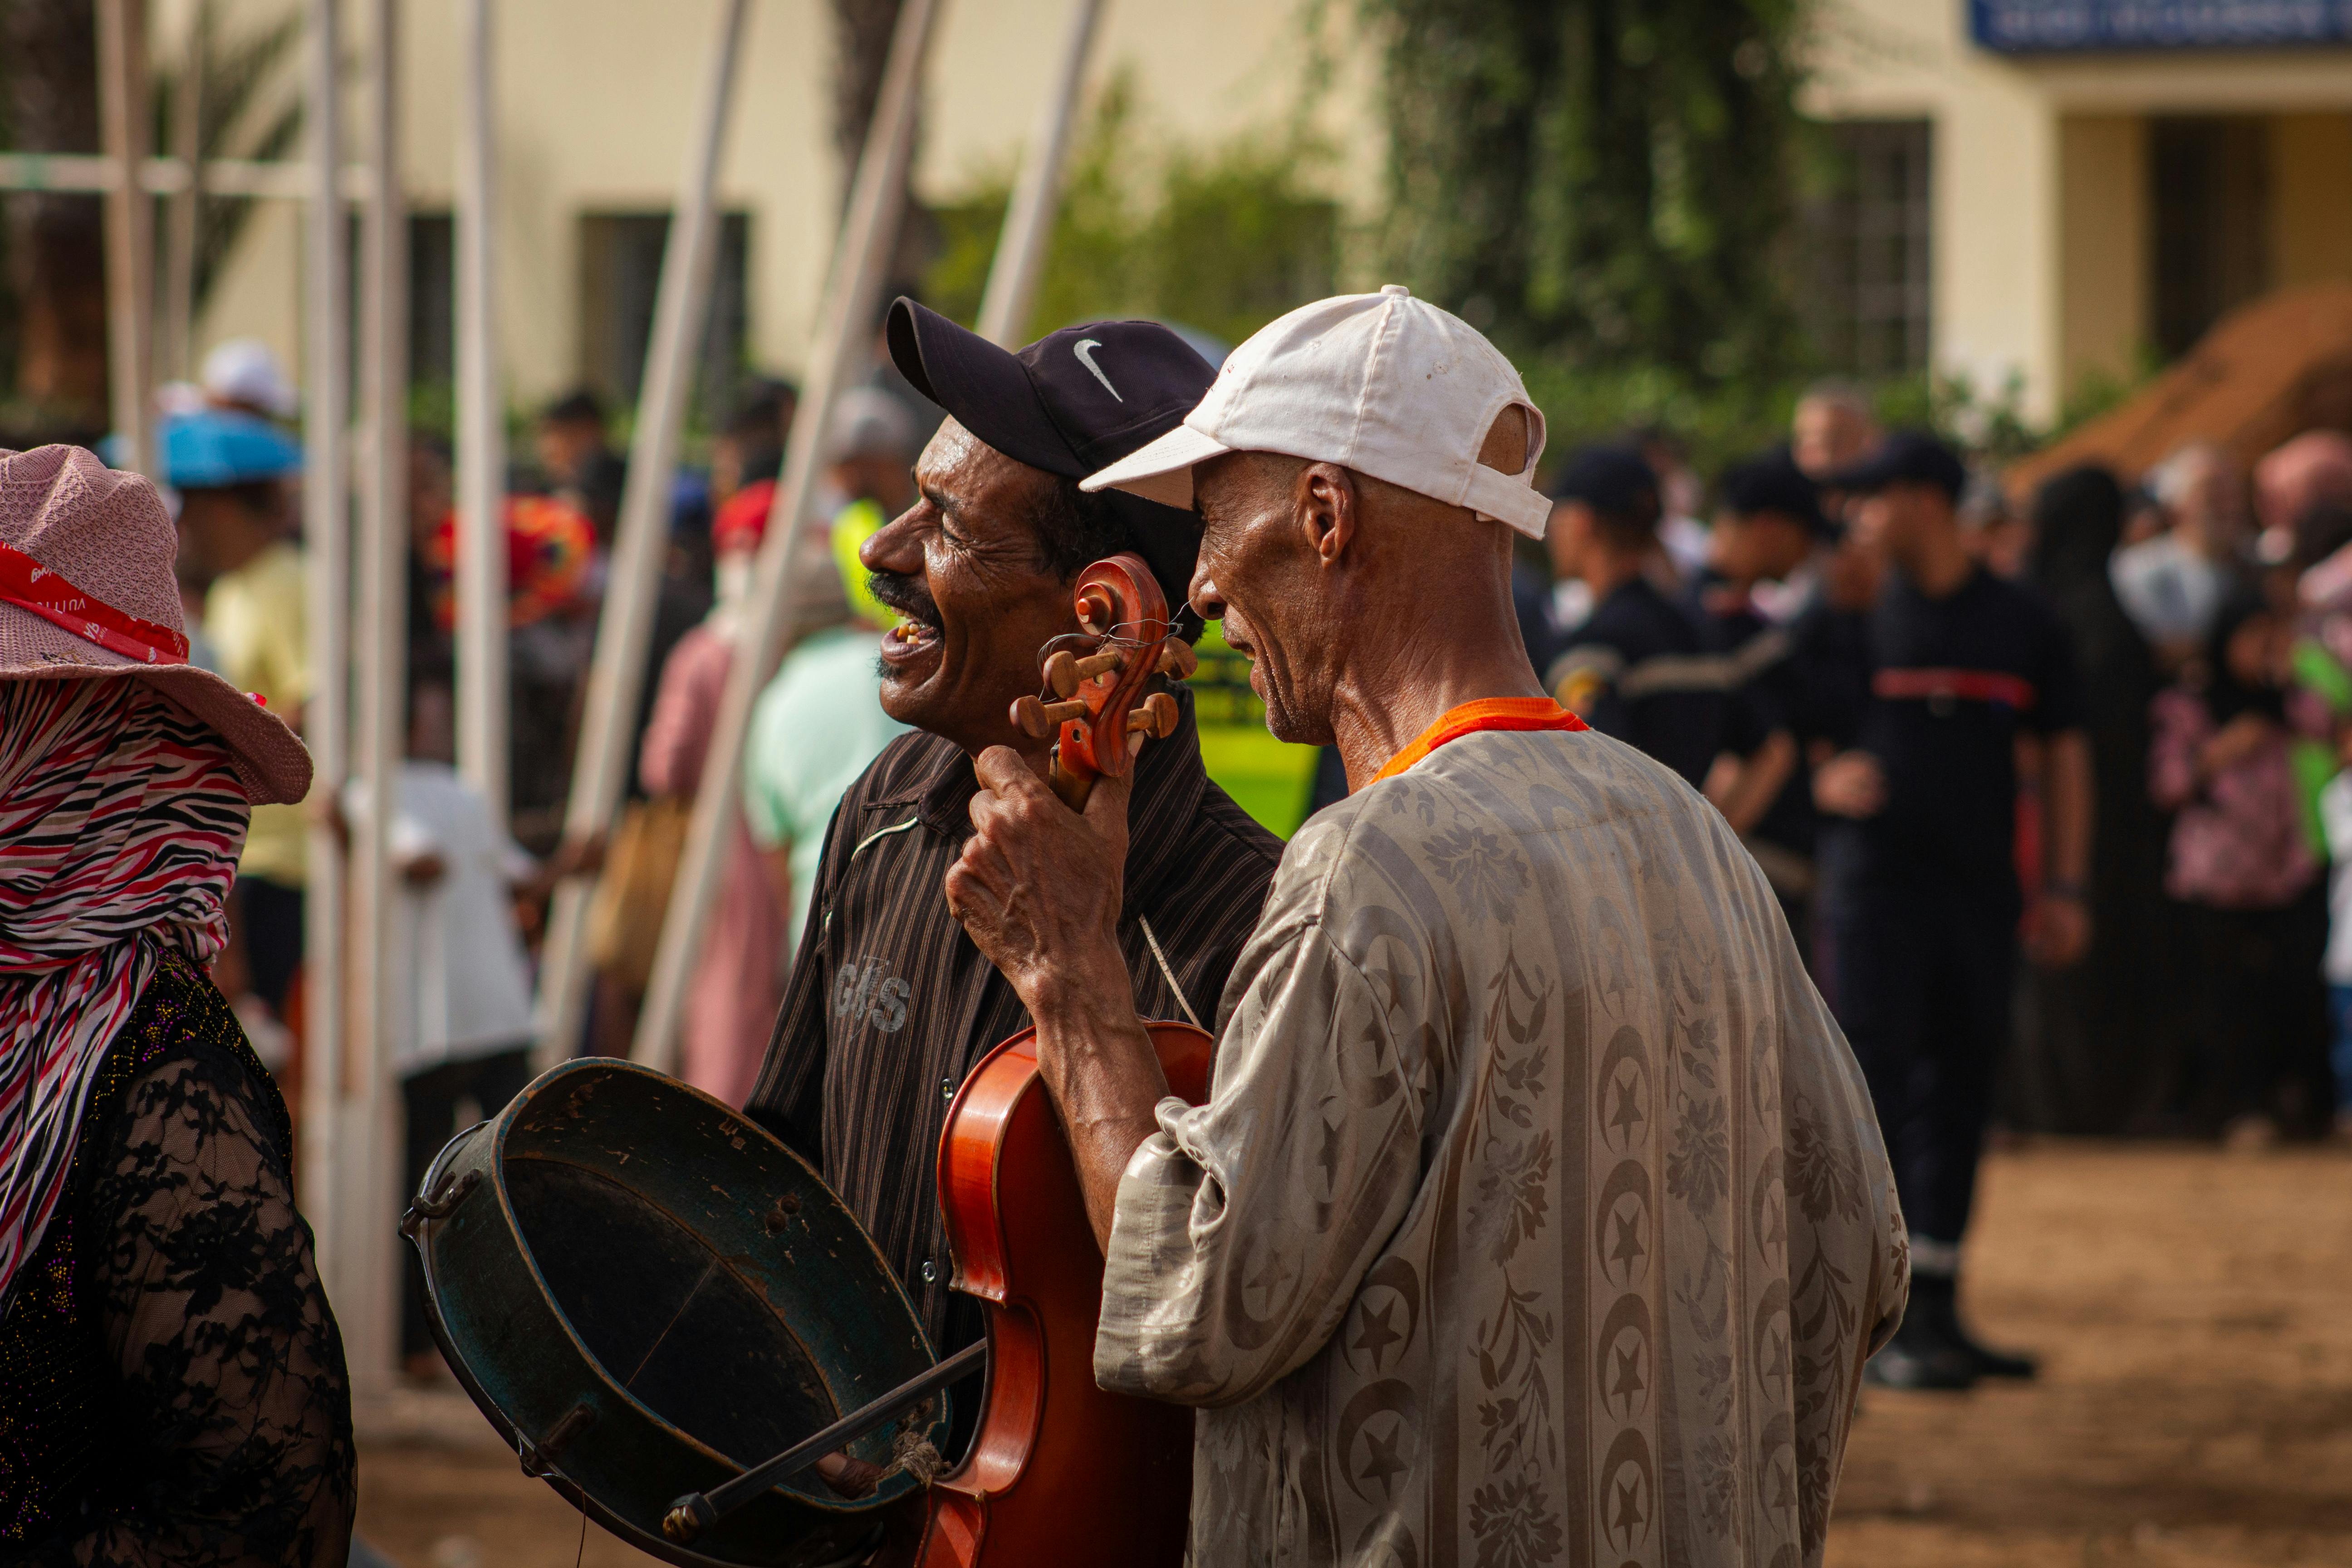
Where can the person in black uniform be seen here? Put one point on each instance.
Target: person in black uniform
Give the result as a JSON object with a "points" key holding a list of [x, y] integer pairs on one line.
{"points": [[1639, 669], [1917, 864], [1768, 528]]}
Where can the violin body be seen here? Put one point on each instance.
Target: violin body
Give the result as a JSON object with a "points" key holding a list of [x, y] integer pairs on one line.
{"points": [[1059, 1472]]}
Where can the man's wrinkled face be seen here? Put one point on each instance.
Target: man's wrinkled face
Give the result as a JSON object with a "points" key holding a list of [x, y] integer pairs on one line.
{"points": [[1260, 575], [962, 565]]}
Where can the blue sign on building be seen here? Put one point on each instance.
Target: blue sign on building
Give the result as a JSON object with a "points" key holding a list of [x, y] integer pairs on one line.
{"points": [[2037, 26]]}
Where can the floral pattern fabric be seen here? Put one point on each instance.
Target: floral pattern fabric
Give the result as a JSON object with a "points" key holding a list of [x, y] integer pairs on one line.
{"points": [[171, 1381], [1538, 1214]]}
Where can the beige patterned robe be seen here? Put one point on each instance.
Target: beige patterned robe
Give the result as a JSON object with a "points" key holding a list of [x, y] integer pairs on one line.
{"points": [[1538, 1215]]}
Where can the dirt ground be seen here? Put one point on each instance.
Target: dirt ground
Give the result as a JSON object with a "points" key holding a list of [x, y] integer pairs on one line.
{"points": [[2194, 1309]]}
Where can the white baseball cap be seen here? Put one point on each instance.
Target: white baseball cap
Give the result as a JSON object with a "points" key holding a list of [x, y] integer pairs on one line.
{"points": [[244, 370], [1383, 384]]}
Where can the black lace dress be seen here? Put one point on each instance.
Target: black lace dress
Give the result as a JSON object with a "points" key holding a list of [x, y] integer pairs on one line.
{"points": [[171, 1381]]}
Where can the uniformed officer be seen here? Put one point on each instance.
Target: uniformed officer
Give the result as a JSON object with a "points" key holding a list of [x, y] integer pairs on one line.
{"points": [[1639, 669], [1768, 527], [1916, 856]]}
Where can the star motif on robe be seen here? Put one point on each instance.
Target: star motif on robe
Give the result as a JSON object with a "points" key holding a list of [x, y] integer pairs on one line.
{"points": [[1628, 1114], [1380, 1463], [1272, 1273], [1378, 1334], [1783, 1483], [1629, 1516], [1774, 1234], [1776, 1356], [1628, 1248], [1627, 1379], [1329, 1157]]}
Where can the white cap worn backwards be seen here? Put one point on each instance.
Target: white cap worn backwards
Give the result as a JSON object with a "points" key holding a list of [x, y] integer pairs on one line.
{"points": [[1383, 384]]}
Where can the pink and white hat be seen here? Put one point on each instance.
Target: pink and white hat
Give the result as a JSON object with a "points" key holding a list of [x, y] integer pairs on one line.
{"points": [[87, 589]]}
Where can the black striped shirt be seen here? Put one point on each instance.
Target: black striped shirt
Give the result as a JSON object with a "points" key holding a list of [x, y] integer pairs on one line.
{"points": [[891, 1005]]}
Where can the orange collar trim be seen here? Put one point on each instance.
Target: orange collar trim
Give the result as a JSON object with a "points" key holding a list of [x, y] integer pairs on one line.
{"points": [[1487, 713]]}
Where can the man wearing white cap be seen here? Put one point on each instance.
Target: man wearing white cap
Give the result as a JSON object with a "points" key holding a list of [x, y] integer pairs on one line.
{"points": [[1538, 1204]]}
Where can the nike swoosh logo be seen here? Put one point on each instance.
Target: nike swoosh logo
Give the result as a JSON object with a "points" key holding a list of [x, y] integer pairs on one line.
{"points": [[1087, 360]]}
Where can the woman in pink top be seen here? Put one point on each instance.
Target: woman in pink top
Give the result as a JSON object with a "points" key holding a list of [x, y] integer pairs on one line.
{"points": [[2238, 860], [730, 1005]]}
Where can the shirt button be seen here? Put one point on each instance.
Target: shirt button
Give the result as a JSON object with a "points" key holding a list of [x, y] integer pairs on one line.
{"points": [[946, 1089], [931, 1271]]}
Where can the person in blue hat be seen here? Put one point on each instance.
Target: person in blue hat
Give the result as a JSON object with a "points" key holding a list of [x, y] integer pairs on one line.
{"points": [[233, 472], [1918, 882]]}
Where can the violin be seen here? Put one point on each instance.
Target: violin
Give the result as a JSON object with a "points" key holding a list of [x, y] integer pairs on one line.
{"points": [[1059, 1471], [1123, 613]]}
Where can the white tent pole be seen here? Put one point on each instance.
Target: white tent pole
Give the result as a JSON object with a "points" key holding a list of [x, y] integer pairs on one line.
{"points": [[369, 1300], [481, 432], [1021, 249], [852, 288], [624, 632], [326, 717], [180, 234], [129, 226]]}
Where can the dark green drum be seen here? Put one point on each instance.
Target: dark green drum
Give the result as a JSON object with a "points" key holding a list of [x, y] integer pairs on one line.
{"points": [[648, 1295]]}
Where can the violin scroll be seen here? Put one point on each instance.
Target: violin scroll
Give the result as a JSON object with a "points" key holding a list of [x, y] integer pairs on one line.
{"points": [[1121, 607]]}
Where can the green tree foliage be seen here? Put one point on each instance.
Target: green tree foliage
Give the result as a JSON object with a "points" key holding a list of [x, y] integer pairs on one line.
{"points": [[1223, 240], [1606, 181]]}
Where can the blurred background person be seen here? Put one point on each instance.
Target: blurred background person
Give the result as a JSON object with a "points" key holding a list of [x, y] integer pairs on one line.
{"points": [[2241, 868], [1919, 894], [1768, 528], [232, 472], [574, 446], [458, 982], [2097, 1034], [1635, 669], [2312, 470], [1832, 427], [819, 721], [2174, 585], [243, 376]]}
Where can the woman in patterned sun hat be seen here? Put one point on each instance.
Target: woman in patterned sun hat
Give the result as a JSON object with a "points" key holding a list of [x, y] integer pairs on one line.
{"points": [[171, 1381]]}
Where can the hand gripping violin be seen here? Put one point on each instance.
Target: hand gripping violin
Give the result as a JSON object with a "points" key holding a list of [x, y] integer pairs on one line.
{"points": [[1059, 1471]]}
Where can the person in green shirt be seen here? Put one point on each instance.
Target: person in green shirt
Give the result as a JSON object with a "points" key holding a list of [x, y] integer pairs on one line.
{"points": [[820, 722]]}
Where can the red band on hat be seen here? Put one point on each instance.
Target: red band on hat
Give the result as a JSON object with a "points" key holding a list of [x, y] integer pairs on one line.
{"points": [[29, 586]]}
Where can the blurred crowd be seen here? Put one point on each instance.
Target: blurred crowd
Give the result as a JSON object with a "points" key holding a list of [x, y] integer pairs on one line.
{"points": [[2049, 785]]}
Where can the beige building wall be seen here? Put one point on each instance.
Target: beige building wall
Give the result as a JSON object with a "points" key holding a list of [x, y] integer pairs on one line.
{"points": [[596, 100], [2040, 246]]}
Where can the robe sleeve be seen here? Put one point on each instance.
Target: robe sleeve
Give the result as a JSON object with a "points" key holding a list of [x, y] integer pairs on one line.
{"points": [[1244, 1226]]}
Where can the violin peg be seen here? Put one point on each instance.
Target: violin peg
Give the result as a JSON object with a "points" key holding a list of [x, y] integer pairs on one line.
{"points": [[1178, 659], [1102, 663], [1041, 721], [1061, 673], [1156, 718]]}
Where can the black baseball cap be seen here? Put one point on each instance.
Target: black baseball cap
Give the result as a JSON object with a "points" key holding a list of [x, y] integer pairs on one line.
{"points": [[1907, 456], [1614, 480], [1771, 482], [1073, 402]]}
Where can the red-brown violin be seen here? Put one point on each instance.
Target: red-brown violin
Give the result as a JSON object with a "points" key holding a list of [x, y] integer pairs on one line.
{"points": [[1059, 1472]]}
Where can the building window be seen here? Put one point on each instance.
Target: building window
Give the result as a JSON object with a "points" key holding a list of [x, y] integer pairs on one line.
{"points": [[2210, 203], [1868, 235], [432, 300], [620, 272]]}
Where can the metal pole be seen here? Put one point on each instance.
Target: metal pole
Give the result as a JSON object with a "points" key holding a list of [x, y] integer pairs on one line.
{"points": [[180, 231], [130, 225], [369, 1300], [1029, 217], [481, 435], [326, 717], [852, 288], [624, 632]]}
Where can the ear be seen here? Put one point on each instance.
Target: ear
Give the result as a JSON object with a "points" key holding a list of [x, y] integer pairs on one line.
{"points": [[1327, 509]]}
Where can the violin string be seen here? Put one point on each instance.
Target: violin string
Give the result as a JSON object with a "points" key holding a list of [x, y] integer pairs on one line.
{"points": [[582, 1551]]}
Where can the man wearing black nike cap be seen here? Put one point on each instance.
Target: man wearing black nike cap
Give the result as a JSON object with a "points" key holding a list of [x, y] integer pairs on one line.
{"points": [[891, 1003]]}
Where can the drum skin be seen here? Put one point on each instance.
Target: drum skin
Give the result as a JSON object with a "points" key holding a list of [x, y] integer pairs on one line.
{"points": [[648, 1294]]}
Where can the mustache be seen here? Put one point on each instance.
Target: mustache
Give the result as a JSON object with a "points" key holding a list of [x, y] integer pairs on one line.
{"points": [[906, 593]]}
